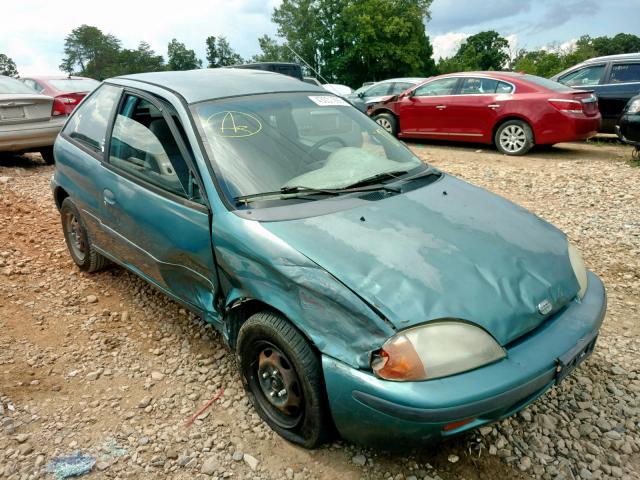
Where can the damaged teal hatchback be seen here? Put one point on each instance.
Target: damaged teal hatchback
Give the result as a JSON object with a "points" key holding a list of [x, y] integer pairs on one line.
{"points": [[361, 289]]}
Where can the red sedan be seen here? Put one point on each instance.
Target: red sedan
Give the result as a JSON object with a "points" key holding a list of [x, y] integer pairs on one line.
{"points": [[514, 111], [66, 91]]}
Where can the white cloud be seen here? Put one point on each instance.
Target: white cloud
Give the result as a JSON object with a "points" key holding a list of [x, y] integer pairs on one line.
{"points": [[33, 31], [446, 45]]}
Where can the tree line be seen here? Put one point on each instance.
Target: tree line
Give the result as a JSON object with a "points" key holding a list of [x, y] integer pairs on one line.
{"points": [[341, 41]]}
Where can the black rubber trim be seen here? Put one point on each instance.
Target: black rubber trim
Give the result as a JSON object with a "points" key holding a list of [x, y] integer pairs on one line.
{"points": [[450, 414]]}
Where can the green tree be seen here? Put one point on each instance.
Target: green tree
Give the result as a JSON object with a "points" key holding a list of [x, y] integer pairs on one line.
{"points": [[482, 51], [539, 62], [220, 53], [142, 59], [298, 23], [181, 58], [357, 40], [271, 51], [7, 66], [89, 52]]}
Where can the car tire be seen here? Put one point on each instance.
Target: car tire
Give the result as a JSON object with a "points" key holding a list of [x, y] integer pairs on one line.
{"points": [[282, 375], [47, 155], [514, 137], [387, 121], [78, 241]]}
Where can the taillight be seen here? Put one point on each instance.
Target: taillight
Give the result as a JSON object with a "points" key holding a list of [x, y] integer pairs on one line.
{"points": [[64, 104], [59, 108], [570, 106]]}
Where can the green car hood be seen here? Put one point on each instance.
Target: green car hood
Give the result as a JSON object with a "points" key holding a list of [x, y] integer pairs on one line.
{"points": [[447, 250]]}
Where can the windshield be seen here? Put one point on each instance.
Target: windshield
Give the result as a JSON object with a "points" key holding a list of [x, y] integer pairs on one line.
{"points": [[11, 85], [265, 143], [74, 84]]}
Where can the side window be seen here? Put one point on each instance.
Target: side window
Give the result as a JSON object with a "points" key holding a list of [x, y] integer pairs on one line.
{"points": [[88, 123], [143, 145], [478, 86], [625, 73], [38, 87], [377, 90], [504, 88], [30, 83], [444, 86], [584, 76]]}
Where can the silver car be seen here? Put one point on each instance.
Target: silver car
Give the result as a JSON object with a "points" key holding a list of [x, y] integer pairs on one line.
{"points": [[28, 121], [370, 94]]}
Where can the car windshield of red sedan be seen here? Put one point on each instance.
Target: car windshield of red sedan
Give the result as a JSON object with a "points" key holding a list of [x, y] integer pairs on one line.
{"points": [[74, 84], [10, 85], [264, 143]]}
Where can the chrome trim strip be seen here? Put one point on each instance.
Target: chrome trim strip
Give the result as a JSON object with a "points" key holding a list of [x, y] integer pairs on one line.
{"points": [[444, 133]]}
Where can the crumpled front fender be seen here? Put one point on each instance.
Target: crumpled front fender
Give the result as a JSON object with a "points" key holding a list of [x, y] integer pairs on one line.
{"points": [[254, 264]]}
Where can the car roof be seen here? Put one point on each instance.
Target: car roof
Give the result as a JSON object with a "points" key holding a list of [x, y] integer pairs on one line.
{"points": [[54, 77], [403, 79], [214, 83], [608, 58]]}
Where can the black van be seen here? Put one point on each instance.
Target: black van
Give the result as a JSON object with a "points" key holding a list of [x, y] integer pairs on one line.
{"points": [[614, 79], [291, 69]]}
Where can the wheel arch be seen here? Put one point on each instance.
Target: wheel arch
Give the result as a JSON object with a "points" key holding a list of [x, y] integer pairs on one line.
{"points": [[59, 194]]}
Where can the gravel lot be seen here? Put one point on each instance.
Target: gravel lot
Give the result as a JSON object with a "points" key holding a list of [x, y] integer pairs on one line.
{"points": [[106, 365]]}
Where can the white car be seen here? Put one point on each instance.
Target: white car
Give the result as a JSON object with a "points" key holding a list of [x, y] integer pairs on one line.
{"points": [[28, 121], [337, 89]]}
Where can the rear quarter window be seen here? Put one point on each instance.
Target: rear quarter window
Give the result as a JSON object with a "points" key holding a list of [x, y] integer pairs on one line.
{"points": [[88, 123]]}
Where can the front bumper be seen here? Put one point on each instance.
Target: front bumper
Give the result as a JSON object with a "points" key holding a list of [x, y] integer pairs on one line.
{"points": [[628, 129], [369, 410]]}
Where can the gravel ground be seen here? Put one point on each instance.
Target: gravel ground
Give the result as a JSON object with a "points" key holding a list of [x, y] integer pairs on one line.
{"points": [[106, 365]]}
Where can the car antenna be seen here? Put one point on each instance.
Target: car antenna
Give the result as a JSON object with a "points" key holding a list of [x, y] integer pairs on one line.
{"points": [[303, 61]]}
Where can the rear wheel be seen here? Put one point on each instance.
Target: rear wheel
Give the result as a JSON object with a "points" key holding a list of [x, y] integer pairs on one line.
{"points": [[388, 122], [283, 378], [78, 241], [514, 137], [47, 155]]}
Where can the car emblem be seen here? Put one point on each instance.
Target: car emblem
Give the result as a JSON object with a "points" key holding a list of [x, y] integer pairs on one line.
{"points": [[545, 307]]}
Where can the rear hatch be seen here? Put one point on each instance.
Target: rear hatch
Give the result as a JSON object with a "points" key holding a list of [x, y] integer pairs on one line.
{"points": [[24, 108]]}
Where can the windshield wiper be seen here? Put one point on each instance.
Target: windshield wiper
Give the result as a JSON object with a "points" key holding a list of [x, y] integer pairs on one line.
{"points": [[286, 193], [375, 179]]}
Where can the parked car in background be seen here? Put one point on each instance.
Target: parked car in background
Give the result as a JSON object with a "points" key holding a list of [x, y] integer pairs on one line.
{"points": [[67, 91], [513, 111], [378, 92], [338, 89], [29, 121], [614, 79], [354, 293], [291, 69], [628, 128]]}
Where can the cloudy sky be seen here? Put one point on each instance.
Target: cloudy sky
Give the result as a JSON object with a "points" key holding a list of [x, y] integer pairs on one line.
{"points": [[33, 31]]}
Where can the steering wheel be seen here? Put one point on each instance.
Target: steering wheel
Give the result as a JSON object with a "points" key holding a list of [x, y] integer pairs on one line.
{"points": [[324, 141]]}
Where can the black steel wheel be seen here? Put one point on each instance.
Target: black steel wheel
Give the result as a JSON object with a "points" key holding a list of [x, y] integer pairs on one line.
{"points": [[78, 242], [283, 378]]}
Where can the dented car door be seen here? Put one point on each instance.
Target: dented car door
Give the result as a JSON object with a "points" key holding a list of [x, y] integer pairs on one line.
{"points": [[156, 222]]}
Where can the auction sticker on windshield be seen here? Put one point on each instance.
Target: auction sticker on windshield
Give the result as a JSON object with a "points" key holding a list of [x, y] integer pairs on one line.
{"points": [[328, 101]]}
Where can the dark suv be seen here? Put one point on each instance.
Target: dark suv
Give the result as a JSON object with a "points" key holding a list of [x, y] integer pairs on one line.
{"points": [[614, 79]]}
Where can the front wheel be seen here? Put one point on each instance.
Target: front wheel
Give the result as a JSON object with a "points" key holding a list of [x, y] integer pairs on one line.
{"points": [[388, 122], [283, 378], [514, 137]]}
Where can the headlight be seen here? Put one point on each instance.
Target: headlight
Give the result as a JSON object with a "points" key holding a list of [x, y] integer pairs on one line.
{"points": [[435, 350], [633, 107], [579, 270]]}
